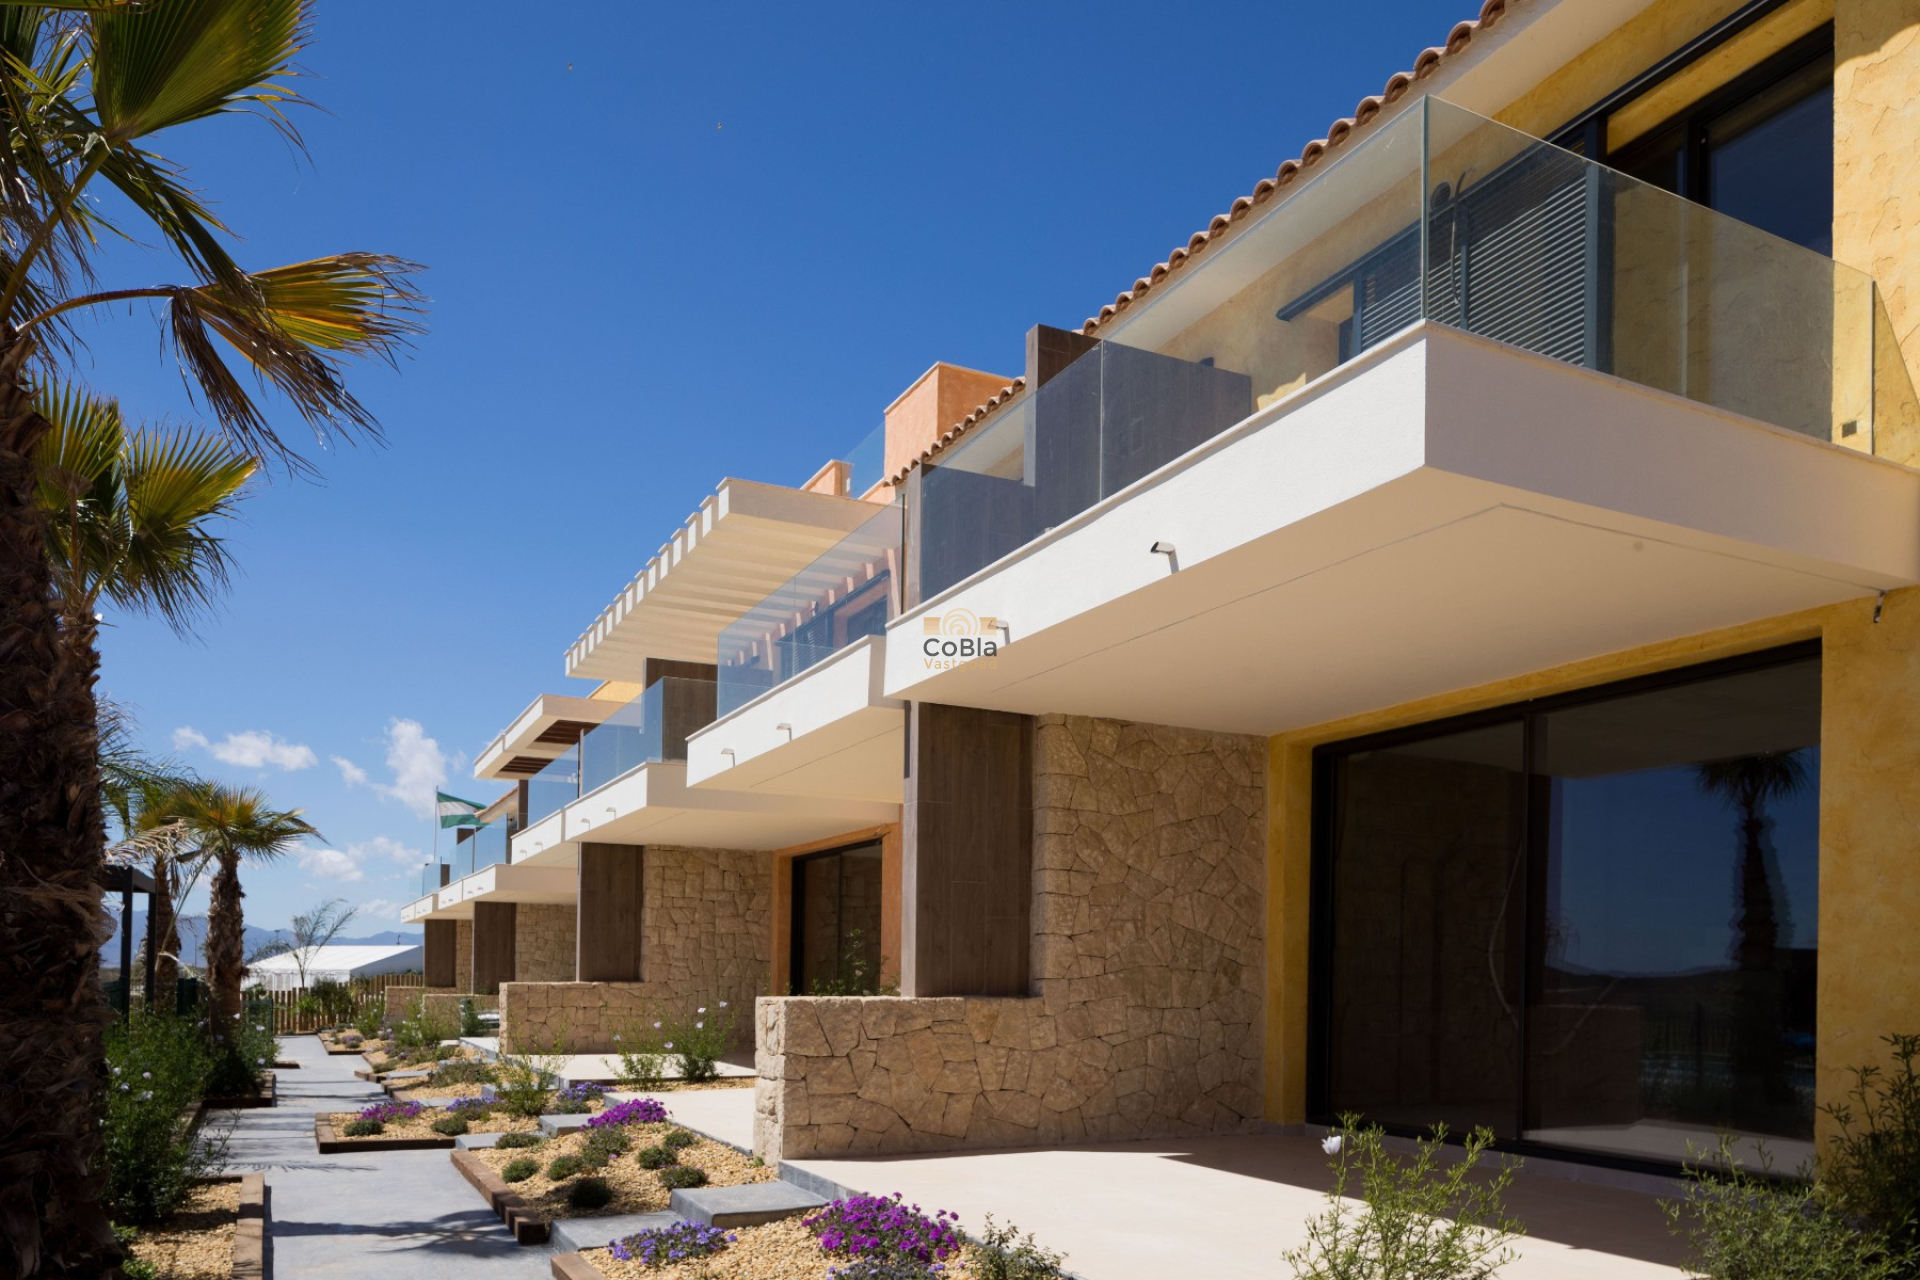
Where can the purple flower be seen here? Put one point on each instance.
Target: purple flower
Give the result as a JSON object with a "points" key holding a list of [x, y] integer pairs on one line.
{"points": [[664, 1245], [389, 1112], [635, 1111], [861, 1226]]}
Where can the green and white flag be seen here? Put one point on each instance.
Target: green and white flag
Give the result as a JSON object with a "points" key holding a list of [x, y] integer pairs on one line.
{"points": [[455, 812]]}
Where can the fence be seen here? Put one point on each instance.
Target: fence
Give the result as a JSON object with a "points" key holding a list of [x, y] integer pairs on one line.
{"points": [[306, 1010]]}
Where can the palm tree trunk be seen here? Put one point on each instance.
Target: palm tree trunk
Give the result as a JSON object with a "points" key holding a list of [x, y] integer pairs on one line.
{"points": [[163, 935], [52, 922], [226, 951]]}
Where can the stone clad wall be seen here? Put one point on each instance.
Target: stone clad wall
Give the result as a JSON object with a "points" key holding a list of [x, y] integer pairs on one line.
{"points": [[1148, 960], [543, 942], [442, 1001], [706, 936]]}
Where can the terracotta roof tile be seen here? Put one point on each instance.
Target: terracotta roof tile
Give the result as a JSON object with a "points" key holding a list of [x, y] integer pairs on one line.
{"points": [[1337, 134]]}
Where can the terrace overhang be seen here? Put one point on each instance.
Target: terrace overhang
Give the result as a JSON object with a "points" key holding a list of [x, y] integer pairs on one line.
{"points": [[1439, 513], [550, 724], [505, 882], [652, 804], [830, 731], [745, 540]]}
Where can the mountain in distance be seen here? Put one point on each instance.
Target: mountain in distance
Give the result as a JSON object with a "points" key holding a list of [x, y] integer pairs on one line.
{"points": [[193, 936]]}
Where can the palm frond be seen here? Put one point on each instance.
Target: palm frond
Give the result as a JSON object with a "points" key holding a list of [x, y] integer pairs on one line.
{"points": [[161, 65], [178, 484]]}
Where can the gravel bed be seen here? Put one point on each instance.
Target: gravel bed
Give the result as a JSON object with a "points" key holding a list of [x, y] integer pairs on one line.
{"points": [[635, 1190], [678, 1086], [421, 1126], [196, 1243], [777, 1251]]}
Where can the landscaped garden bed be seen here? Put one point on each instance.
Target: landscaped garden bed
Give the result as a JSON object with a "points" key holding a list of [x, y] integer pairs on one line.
{"points": [[415, 1126], [264, 1096], [628, 1159], [342, 1044], [216, 1232], [865, 1236]]}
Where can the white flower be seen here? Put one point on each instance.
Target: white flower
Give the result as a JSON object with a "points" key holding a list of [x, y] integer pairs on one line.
{"points": [[258, 1027], [125, 1087], [116, 1071], [656, 1026], [1332, 1143], [723, 1004], [146, 1075], [261, 1061], [669, 1044], [701, 1009], [236, 1017], [616, 1039], [146, 1095]]}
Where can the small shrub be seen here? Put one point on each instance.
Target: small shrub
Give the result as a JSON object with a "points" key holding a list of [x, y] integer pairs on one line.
{"points": [[519, 1169], [608, 1143], [643, 1053], [425, 1026], [525, 1096], [654, 1157], [881, 1227], [583, 1091], [680, 1242], [678, 1138], [511, 1141], [362, 1128], [561, 1168], [450, 1126], [1425, 1218], [470, 1108], [352, 1040], [131, 1267], [637, 1111], [465, 1071], [470, 1024], [1002, 1253], [157, 1067], [369, 1016], [590, 1193], [1872, 1167], [1743, 1226], [697, 1040], [682, 1176]]}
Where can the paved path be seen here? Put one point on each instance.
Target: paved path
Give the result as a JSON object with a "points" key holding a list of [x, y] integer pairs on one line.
{"points": [[394, 1215]]}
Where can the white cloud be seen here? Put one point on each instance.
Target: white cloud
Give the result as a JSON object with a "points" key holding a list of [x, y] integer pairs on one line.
{"points": [[392, 850], [375, 914], [332, 864], [251, 749], [419, 767]]}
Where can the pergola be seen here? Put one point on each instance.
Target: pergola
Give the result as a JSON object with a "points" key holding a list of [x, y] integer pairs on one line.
{"points": [[126, 881]]}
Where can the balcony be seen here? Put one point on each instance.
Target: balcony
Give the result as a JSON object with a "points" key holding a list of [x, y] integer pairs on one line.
{"points": [[1461, 406]]}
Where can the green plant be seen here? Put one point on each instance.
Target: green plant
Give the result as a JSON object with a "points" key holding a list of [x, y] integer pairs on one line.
{"points": [[1872, 1165], [678, 1138], [607, 1143], [1002, 1253], [682, 1176], [158, 1067], [589, 1193], [698, 1040], [655, 1157], [1743, 1226], [1426, 1217], [641, 1045], [519, 1169], [465, 1071], [369, 1016], [450, 1126], [332, 1000], [510, 1141], [470, 1024], [425, 1027], [563, 1167], [241, 1057], [859, 971], [131, 1267], [529, 1077], [362, 1128]]}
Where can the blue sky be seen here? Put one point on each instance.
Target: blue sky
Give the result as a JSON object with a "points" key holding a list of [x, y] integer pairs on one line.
{"points": [[667, 245]]}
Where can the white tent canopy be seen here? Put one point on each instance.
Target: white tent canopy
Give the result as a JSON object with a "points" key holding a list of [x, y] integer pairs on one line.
{"points": [[333, 964]]}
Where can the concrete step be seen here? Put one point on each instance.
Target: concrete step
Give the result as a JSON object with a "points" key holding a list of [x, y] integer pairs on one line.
{"points": [[594, 1233], [744, 1206]]}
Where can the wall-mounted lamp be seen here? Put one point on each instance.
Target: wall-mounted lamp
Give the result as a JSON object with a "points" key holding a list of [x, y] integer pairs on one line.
{"points": [[1878, 605], [728, 753], [1162, 549], [788, 728], [611, 809]]}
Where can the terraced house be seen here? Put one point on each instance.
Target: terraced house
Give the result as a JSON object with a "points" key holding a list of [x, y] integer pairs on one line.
{"points": [[1442, 645]]}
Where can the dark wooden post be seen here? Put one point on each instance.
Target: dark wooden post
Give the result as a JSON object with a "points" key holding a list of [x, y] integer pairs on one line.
{"points": [[493, 945], [607, 930], [442, 946]]}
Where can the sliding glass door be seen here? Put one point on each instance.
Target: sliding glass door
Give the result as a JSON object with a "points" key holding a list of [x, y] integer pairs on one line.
{"points": [[1587, 922]]}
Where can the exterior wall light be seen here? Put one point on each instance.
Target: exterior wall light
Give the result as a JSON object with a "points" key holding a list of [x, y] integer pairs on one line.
{"points": [[1162, 549], [788, 728]]}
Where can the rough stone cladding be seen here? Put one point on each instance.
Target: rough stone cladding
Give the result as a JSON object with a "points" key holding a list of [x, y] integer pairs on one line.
{"points": [[1148, 953], [443, 1002], [463, 955], [706, 936], [543, 942]]}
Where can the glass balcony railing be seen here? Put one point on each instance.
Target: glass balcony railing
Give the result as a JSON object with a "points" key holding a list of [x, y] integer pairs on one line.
{"points": [[485, 847], [427, 879], [866, 464], [1445, 216], [654, 726], [554, 787], [845, 595]]}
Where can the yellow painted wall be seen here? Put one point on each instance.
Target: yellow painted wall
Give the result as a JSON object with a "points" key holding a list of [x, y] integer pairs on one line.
{"points": [[1869, 826]]}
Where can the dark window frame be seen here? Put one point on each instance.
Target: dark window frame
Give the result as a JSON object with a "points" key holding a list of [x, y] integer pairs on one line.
{"points": [[1320, 905], [795, 934]]}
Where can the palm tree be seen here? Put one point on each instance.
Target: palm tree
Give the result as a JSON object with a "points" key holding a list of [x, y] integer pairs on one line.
{"points": [[1749, 783], [130, 516], [137, 790], [230, 823], [84, 86]]}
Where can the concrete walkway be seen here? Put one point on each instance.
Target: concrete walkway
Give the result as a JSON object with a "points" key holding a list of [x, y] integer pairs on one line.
{"points": [[1148, 1210], [391, 1214]]}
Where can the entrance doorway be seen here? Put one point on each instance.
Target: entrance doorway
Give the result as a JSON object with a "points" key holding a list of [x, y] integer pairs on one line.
{"points": [[836, 921], [1587, 923]]}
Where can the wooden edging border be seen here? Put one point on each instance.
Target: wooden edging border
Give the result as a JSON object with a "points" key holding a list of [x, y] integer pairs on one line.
{"points": [[267, 1097], [330, 1143], [250, 1223], [527, 1226], [574, 1266]]}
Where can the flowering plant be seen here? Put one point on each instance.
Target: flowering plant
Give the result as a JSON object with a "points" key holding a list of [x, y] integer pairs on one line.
{"points": [[664, 1246], [389, 1112], [635, 1111], [469, 1108], [882, 1226]]}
